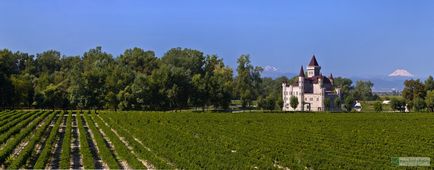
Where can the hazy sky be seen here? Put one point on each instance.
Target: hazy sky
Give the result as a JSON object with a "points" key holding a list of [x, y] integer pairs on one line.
{"points": [[349, 37]]}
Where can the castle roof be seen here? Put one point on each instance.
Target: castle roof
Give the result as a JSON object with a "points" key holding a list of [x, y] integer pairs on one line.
{"points": [[301, 74], [309, 81], [313, 61]]}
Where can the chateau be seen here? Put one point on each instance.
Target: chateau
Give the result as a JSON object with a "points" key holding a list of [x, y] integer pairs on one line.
{"points": [[314, 91]]}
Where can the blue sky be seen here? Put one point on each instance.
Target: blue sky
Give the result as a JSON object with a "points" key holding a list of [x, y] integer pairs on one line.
{"points": [[349, 38]]}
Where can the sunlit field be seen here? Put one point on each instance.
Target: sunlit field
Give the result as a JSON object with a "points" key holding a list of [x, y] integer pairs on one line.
{"points": [[186, 140]]}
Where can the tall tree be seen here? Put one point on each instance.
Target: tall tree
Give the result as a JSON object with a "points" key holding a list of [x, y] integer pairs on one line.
{"points": [[95, 64], [429, 100], [293, 102], [344, 84], [23, 89], [139, 60], [413, 89], [248, 81], [429, 83], [363, 90], [48, 62]]}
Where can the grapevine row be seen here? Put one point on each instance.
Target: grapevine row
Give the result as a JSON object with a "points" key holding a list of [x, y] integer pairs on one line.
{"points": [[11, 144], [65, 156], [45, 153], [122, 150], [104, 151], [27, 151], [87, 157]]}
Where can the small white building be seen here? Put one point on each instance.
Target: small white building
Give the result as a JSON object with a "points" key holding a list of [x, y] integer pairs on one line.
{"points": [[358, 106], [311, 90]]}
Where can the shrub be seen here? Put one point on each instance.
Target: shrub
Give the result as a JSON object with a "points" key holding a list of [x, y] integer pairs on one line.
{"points": [[378, 106]]}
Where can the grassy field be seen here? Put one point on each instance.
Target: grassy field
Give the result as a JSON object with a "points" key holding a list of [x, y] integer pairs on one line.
{"points": [[186, 140]]}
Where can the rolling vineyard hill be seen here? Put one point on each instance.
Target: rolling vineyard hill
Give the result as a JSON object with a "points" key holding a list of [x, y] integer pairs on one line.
{"points": [[186, 140]]}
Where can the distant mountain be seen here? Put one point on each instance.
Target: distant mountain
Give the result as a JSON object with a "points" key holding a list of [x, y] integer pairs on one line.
{"points": [[274, 72], [401, 73], [385, 83], [392, 82]]}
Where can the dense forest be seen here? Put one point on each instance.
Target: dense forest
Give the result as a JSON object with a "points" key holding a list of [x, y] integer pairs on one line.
{"points": [[138, 80]]}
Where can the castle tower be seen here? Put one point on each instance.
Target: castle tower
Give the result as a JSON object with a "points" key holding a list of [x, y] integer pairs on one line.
{"points": [[331, 79], [300, 96], [313, 69]]}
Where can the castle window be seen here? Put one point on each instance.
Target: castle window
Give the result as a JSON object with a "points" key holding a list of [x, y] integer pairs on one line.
{"points": [[311, 99], [286, 93], [317, 99]]}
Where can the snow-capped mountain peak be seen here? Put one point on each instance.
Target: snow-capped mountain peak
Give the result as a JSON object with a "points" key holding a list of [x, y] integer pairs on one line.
{"points": [[401, 73], [270, 68]]}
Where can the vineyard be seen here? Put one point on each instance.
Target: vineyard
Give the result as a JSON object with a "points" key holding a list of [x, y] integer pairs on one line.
{"points": [[186, 140]]}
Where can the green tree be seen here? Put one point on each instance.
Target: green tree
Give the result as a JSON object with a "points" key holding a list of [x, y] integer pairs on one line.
{"points": [[327, 104], [139, 60], [55, 96], [363, 90], [397, 104], [429, 100], [429, 84], [413, 89], [8, 66], [267, 103], [349, 103], [247, 81], [189, 59], [337, 103], [293, 101], [23, 89], [344, 84], [419, 104], [378, 106], [48, 62], [95, 70]]}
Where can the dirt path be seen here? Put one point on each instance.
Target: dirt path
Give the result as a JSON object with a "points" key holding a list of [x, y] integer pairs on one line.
{"points": [[99, 164], [76, 161]]}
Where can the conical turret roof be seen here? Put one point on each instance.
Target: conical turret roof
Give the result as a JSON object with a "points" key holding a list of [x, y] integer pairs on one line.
{"points": [[313, 61]]}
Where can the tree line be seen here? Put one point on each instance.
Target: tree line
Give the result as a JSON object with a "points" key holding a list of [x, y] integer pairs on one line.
{"points": [[135, 80], [138, 80], [416, 96]]}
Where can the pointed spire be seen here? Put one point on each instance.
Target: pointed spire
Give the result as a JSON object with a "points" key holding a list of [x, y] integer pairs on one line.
{"points": [[313, 61], [331, 76], [301, 72]]}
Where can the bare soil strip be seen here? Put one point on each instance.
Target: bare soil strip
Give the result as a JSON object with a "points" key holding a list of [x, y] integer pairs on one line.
{"points": [[146, 163], [76, 161], [99, 164]]}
